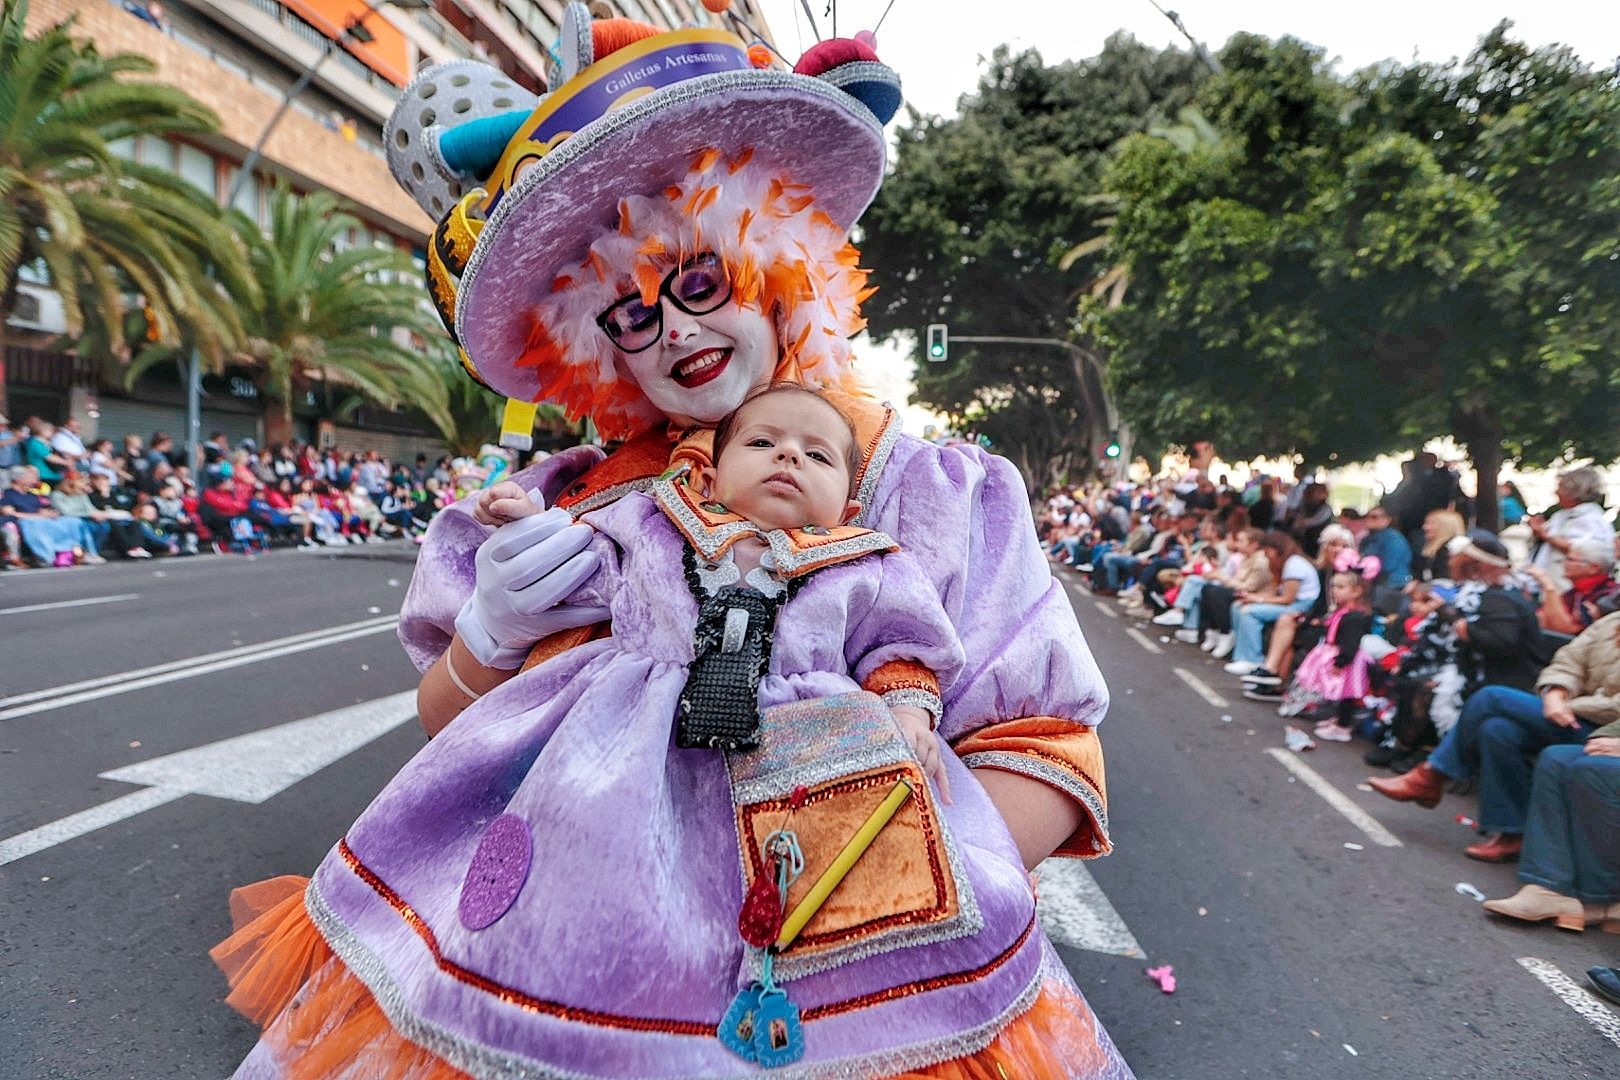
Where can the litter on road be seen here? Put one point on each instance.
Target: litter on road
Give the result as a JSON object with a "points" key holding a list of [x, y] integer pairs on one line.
{"points": [[1297, 740], [1464, 819], [1351, 845], [1465, 889], [1165, 976]]}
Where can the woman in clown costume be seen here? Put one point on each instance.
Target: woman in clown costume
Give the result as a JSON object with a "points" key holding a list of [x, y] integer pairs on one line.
{"points": [[452, 932]]}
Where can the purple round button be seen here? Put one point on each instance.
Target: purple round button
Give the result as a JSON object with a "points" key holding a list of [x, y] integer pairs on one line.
{"points": [[499, 868]]}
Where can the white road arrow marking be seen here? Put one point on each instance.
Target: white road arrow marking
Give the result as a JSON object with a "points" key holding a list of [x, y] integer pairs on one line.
{"points": [[248, 768], [1075, 911]]}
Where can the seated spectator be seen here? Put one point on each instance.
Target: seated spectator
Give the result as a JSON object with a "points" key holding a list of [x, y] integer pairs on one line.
{"points": [[361, 505], [67, 443], [173, 517], [1210, 594], [1579, 516], [41, 456], [280, 498], [219, 504], [102, 462], [160, 449], [1297, 590], [1570, 862], [154, 536], [277, 523], [1334, 672], [322, 520], [1592, 592], [113, 528], [1428, 683], [1118, 568], [1300, 629], [1385, 543], [12, 438], [396, 510], [1503, 723], [1433, 561], [49, 537]]}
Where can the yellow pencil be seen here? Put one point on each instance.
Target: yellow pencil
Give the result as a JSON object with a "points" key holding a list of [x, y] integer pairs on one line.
{"points": [[841, 866]]}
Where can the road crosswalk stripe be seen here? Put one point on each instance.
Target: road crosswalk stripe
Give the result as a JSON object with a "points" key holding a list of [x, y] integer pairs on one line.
{"points": [[58, 697], [55, 604], [1573, 995]]}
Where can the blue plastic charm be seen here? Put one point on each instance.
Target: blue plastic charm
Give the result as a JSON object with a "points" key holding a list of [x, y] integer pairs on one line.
{"points": [[738, 1026], [778, 1035]]}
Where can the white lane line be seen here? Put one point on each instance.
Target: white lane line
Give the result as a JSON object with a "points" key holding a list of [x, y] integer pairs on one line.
{"points": [[247, 768], [1575, 996], [175, 665], [74, 826], [42, 701], [1335, 798], [1200, 687], [1143, 640], [1075, 911], [70, 603], [1106, 610]]}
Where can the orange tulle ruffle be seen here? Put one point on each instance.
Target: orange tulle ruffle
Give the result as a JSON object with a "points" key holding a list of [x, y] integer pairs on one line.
{"points": [[320, 1021]]}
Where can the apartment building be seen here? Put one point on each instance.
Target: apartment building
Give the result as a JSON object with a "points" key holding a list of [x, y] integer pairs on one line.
{"points": [[241, 58]]}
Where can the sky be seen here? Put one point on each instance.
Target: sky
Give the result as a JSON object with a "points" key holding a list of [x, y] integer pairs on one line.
{"points": [[936, 46]]}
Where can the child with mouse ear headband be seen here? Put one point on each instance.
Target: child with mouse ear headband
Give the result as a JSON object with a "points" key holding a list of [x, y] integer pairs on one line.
{"points": [[1350, 561]]}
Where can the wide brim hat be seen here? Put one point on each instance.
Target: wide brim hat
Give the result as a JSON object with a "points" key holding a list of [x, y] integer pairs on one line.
{"points": [[628, 123]]}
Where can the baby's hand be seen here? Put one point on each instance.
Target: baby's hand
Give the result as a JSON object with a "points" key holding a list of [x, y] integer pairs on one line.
{"points": [[915, 726], [503, 502]]}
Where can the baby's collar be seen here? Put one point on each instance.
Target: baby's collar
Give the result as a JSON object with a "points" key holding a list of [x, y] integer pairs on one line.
{"points": [[712, 530]]}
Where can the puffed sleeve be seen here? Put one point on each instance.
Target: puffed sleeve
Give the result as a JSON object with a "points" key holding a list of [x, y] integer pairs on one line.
{"points": [[902, 646], [1029, 695], [445, 566]]}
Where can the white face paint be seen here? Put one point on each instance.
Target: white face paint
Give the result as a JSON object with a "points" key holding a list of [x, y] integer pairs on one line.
{"points": [[703, 366]]}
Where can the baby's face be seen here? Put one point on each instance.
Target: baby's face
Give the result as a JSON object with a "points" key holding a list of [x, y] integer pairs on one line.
{"points": [[787, 464]]}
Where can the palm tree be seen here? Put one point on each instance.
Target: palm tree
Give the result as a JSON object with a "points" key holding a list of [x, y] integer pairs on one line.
{"points": [[358, 318], [101, 228], [475, 412]]}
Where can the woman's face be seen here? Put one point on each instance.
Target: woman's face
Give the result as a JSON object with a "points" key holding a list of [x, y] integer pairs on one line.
{"points": [[1431, 527], [1331, 550], [702, 366]]}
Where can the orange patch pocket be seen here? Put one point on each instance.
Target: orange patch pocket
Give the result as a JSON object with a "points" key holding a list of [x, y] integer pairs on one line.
{"points": [[847, 755]]}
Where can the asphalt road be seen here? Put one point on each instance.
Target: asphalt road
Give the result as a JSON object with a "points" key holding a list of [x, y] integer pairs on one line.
{"points": [[1295, 955]]}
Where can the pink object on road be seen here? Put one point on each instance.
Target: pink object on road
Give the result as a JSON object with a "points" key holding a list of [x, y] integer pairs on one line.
{"points": [[1165, 976]]}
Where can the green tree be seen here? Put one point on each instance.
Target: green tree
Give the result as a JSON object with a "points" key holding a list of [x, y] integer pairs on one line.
{"points": [[357, 318], [1364, 264], [103, 229], [971, 226]]}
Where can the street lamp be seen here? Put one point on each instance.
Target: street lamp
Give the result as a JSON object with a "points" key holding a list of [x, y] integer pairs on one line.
{"points": [[353, 30]]}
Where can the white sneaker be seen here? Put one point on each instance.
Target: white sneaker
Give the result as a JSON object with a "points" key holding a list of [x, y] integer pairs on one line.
{"points": [[1188, 637], [1173, 617], [1240, 667], [1211, 639], [1084, 568], [1224, 644], [138, 553]]}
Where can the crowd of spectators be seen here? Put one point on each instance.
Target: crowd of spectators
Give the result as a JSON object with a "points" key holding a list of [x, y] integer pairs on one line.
{"points": [[65, 503], [1462, 666]]}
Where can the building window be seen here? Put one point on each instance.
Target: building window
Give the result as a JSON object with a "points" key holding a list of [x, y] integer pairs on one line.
{"points": [[197, 167], [156, 152]]}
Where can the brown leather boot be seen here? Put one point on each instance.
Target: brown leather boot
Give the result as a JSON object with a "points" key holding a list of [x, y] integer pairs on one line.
{"points": [[1496, 847], [1533, 903], [1423, 785]]}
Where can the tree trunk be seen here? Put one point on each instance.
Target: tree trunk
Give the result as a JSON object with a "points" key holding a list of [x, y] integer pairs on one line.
{"points": [[1483, 438]]}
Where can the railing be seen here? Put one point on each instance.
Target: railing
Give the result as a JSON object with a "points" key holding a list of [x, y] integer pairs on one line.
{"points": [[41, 367]]}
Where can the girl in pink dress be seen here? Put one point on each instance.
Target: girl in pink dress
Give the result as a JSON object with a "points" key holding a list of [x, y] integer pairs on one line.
{"points": [[1335, 671]]}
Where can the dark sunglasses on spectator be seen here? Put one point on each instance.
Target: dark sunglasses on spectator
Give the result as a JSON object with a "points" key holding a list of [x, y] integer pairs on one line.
{"points": [[697, 286]]}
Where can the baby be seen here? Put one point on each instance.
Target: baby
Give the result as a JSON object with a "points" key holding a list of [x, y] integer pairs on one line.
{"points": [[786, 459]]}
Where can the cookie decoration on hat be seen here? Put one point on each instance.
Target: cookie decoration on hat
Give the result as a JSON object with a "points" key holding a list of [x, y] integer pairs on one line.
{"points": [[672, 139]]}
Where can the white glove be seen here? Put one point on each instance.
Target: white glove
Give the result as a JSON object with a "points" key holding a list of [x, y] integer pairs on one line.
{"points": [[525, 570]]}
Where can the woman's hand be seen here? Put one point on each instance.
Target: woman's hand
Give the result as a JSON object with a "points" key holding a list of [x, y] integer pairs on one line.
{"points": [[1555, 707], [914, 724], [1604, 746], [525, 570]]}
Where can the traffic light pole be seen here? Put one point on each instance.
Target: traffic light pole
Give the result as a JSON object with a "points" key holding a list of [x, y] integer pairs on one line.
{"points": [[1083, 359]]}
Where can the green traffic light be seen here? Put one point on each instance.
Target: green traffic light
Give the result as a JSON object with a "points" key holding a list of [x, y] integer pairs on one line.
{"points": [[937, 350], [1112, 450]]}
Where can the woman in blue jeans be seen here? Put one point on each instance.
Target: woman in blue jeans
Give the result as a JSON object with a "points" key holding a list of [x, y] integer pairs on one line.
{"points": [[1570, 865], [1297, 588]]}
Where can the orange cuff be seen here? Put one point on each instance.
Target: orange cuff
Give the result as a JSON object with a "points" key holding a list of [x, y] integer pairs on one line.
{"points": [[1062, 754], [906, 682]]}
